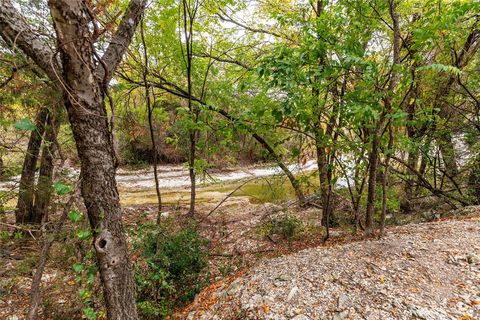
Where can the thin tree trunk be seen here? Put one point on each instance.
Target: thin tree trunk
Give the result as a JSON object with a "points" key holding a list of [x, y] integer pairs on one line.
{"points": [[294, 182], [150, 125], [385, 183], [474, 181], [43, 192], [372, 180], [2, 167], [189, 13], [377, 133], [27, 179], [445, 143], [35, 294]]}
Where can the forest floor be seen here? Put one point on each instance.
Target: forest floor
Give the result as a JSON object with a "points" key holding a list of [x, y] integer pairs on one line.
{"points": [[428, 271], [418, 271]]}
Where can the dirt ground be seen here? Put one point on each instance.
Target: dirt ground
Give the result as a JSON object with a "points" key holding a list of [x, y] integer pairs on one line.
{"points": [[236, 245]]}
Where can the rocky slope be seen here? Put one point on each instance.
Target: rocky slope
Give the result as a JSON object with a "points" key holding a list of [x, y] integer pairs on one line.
{"points": [[427, 271]]}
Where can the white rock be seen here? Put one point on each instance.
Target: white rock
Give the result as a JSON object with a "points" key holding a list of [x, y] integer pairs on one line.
{"points": [[292, 293]]}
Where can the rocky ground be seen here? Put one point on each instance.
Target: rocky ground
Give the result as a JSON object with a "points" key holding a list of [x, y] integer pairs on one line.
{"points": [[427, 271]]}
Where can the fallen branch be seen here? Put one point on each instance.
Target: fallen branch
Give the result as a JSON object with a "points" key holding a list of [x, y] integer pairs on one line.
{"points": [[20, 228], [229, 195]]}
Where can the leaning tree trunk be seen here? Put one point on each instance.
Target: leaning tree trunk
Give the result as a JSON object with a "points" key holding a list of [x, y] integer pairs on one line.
{"points": [[27, 179], [44, 189], [89, 121], [83, 77]]}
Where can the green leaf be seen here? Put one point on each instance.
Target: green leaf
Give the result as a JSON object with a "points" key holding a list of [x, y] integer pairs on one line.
{"points": [[83, 234], [75, 216], [89, 313], [25, 124], [77, 267], [61, 189]]}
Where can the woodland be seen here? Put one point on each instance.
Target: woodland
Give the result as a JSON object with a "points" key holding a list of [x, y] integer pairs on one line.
{"points": [[151, 148]]}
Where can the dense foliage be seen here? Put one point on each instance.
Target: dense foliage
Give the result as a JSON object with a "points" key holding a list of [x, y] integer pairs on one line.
{"points": [[382, 95]]}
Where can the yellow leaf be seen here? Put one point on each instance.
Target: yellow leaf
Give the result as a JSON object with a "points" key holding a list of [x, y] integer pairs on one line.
{"points": [[381, 279], [265, 308]]}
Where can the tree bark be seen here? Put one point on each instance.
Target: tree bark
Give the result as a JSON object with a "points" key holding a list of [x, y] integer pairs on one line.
{"points": [[44, 189], [2, 167], [372, 180], [27, 179], [83, 77], [474, 181], [84, 100]]}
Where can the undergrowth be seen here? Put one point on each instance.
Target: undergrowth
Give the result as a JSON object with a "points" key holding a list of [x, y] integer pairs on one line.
{"points": [[173, 268]]}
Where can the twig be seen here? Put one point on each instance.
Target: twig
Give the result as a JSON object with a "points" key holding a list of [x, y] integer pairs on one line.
{"points": [[37, 278], [20, 228], [229, 195]]}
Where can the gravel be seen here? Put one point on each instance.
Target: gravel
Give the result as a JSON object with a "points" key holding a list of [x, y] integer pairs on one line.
{"points": [[426, 271]]}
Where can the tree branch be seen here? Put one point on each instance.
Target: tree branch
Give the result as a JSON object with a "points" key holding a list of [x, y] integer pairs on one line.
{"points": [[120, 40], [17, 34]]}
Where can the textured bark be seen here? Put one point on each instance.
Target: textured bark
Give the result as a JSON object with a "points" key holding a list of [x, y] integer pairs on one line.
{"points": [[83, 83], [17, 33], [44, 189], [84, 100], [27, 179]]}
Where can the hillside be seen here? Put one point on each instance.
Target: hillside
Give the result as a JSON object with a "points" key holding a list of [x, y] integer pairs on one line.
{"points": [[427, 271]]}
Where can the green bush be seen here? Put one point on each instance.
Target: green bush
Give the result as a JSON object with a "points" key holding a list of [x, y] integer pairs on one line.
{"points": [[288, 227], [172, 270]]}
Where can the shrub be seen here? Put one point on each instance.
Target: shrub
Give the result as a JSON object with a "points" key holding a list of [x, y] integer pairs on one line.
{"points": [[288, 227], [172, 270]]}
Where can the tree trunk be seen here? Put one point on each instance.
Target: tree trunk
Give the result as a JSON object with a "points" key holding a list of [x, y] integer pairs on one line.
{"points": [[385, 182], [2, 167], [372, 183], [148, 102], [43, 192], [474, 181], [84, 101], [84, 76], [445, 143], [27, 179], [294, 182]]}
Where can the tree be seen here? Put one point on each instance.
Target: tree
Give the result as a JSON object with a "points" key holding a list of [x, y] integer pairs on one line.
{"points": [[24, 210], [83, 76]]}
